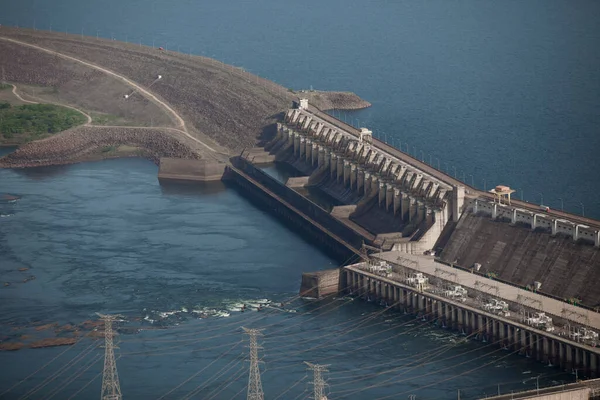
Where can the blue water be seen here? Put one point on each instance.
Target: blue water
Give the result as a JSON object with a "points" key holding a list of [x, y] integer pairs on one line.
{"points": [[106, 237], [498, 91], [502, 91]]}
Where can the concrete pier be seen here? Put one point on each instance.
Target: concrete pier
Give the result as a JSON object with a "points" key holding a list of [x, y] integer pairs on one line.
{"points": [[384, 279], [320, 284], [177, 169], [511, 334], [589, 389]]}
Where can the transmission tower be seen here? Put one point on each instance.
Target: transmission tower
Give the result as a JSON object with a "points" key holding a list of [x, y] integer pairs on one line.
{"points": [[111, 389], [255, 391], [318, 381]]}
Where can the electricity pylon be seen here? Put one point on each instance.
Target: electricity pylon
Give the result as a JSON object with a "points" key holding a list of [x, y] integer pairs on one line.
{"points": [[318, 381], [111, 389], [255, 391]]}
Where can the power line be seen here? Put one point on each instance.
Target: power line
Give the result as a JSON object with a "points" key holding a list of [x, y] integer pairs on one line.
{"points": [[318, 381], [111, 389], [255, 391]]}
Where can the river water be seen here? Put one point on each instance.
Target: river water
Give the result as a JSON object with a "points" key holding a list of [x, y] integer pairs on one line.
{"points": [[106, 237]]}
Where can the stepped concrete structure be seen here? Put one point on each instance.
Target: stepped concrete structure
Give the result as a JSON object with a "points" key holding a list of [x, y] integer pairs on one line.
{"points": [[403, 207], [524, 246]]}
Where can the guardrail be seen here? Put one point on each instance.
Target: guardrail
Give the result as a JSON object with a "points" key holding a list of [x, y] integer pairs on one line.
{"points": [[472, 270]]}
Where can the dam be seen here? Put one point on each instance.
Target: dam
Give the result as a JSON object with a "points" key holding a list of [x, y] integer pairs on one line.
{"points": [[521, 276]]}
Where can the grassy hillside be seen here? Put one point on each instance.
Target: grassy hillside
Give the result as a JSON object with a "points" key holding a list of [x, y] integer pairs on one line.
{"points": [[21, 124]]}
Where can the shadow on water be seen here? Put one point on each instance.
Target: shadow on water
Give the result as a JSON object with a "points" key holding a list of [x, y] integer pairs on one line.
{"points": [[41, 173], [281, 171], [180, 188]]}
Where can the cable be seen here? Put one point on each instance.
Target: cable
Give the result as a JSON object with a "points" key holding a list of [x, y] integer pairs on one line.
{"points": [[241, 390], [346, 342], [61, 370], [86, 385], [291, 387], [434, 372], [300, 395], [233, 323], [235, 378], [365, 346], [43, 366], [455, 376], [330, 327], [199, 372], [223, 370], [434, 353], [70, 380], [220, 336], [416, 363]]}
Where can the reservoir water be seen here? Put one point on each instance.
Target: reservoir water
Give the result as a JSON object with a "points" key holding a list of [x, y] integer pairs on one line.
{"points": [[505, 92], [106, 237], [494, 92]]}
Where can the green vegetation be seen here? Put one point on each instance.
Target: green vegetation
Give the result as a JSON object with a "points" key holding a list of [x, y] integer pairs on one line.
{"points": [[4, 86], [36, 121]]}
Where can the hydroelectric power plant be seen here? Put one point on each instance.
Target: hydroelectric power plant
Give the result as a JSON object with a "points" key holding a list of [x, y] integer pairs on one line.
{"points": [[522, 276], [503, 271], [516, 275]]}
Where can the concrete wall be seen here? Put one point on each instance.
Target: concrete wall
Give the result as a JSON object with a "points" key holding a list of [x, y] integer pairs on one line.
{"points": [[321, 283], [573, 394], [580, 394], [190, 170], [303, 204], [520, 255]]}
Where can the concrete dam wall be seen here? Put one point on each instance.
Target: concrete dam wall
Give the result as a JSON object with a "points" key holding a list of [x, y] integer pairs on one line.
{"points": [[402, 206], [287, 203], [516, 253]]}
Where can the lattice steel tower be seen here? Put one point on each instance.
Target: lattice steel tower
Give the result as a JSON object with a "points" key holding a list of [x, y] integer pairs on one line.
{"points": [[255, 391], [318, 381], [111, 390]]}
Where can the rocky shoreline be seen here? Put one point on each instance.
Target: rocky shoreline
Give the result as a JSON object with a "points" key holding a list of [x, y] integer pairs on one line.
{"points": [[220, 103], [335, 100], [92, 143]]}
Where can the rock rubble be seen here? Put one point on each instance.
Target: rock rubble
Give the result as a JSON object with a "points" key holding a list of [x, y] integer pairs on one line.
{"points": [[80, 142]]}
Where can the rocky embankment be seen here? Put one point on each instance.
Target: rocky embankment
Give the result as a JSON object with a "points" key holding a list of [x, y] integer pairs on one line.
{"points": [[219, 102], [89, 142], [335, 100]]}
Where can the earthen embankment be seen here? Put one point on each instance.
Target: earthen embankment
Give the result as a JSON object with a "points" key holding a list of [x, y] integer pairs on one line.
{"points": [[335, 100], [92, 142]]}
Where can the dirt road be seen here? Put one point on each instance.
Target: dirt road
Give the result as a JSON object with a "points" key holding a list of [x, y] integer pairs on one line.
{"points": [[181, 123]]}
